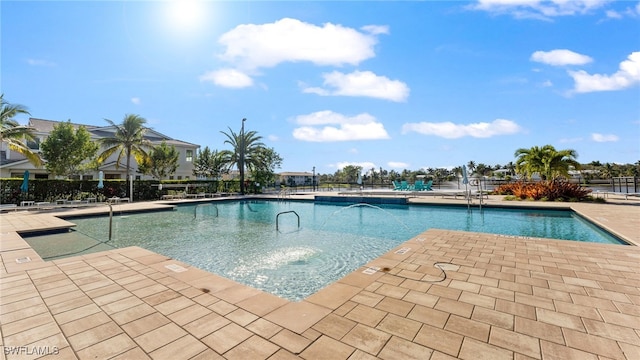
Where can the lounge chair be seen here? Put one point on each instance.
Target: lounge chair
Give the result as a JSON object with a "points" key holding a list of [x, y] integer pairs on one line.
{"points": [[396, 185], [428, 185]]}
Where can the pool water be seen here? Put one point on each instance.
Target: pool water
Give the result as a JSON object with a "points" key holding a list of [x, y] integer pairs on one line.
{"points": [[239, 240]]}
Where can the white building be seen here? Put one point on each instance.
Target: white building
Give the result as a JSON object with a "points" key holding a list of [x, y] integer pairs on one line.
{"points": [[13, 164]]}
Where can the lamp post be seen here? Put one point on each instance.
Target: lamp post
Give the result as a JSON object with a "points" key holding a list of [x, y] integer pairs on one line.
{"points": [[241, 160], [313, 179]]}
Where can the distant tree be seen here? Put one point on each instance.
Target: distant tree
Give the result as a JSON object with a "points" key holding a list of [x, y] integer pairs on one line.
{"points": [[244, 147], [351, 172], [209, 164], [267, 161], [161, 162], [66, 150], [128, 140], [14, 134], [472, 166]]}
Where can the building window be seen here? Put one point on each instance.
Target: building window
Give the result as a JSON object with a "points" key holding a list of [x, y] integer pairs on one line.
{"points": [[34, 144], [189, 155], [179, 177]]}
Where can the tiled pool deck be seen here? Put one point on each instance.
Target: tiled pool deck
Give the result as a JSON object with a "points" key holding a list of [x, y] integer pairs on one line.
{"points": [[505, 298]]}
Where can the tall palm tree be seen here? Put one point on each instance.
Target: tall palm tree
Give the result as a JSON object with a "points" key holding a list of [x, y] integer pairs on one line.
{"points": [[244, 154], [13, 133], [129, 140], [546, 161]]}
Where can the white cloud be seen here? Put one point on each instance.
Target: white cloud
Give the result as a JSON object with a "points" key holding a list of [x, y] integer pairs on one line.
{"points": [[539, 9], [604, 137], [547, 83], [230, 78], [338, 127], [450, 130], [40, 62], [560, 57], [136, 100], [570, 140], [627, 76], [253, 46], [362, 83], [273, 138], [375, 29], [398, 165]]}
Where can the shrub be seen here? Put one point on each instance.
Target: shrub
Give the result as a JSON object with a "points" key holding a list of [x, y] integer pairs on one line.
{"points": [[551, 190]]}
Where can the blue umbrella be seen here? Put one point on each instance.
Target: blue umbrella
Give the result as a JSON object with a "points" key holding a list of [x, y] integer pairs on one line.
{"points": [[465, 180], [100, 178], [25, 182]]}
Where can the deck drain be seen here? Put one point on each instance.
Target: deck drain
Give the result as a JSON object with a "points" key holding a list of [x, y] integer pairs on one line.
{"points": [[175, 268], [23, 260], [403, 251], [371, 270]]}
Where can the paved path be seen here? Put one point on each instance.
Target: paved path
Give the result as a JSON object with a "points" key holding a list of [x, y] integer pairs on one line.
{"points": [[441, 295]]}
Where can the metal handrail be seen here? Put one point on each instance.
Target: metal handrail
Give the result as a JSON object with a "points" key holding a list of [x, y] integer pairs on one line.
{"points": [[285, 212], [195, 209]]}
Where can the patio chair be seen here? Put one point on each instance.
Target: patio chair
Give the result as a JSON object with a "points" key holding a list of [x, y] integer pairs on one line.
{"points": [[428, 185], [396, 185], [404, 185], [419, 185]]}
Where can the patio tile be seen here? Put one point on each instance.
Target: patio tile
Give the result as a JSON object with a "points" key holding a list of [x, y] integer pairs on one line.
{"points": [[592, 344], [396, 306], [132, 313], [94, 335], [553, 351], [262, 303], [397, 348], [264, 328], [612, 331], [467, 327], [539, 330], [206, 325], [516, 342], [334, 326], [158, 337], [236, 293], [366, 315], [189, 314], [476, 350], [145, 324], [241, 317], [327, 348], [107, 348], [91, 321], [493, 318], [297, 316], [334, 295], [399, 326], [290, 341], [226, 338], [439, 339], [429, 316]]}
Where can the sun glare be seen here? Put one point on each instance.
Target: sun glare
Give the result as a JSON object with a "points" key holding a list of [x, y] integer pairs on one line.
{"points": [[185, 14]]}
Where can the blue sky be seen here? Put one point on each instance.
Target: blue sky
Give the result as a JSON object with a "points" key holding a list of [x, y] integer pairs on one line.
{"points": [[327, 84]]}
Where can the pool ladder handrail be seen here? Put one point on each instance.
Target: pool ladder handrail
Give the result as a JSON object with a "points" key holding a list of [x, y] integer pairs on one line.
{"points": [[195, 210], [285, 212], [284, 193]]}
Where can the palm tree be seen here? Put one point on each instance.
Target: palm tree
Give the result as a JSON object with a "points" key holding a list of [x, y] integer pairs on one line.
{"points": [[546, 161], [244, 154], [13, 133], [129, 140]]}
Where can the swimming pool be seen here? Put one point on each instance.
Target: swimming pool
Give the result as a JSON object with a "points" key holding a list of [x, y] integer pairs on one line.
{"points": [[239, 240]]}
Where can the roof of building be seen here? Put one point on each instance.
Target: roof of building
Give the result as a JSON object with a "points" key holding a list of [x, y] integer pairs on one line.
{"points": [[46, 126]]}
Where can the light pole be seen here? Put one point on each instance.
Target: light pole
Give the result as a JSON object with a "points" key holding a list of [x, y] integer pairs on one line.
{"points": [[313, 179], [241, 160]]}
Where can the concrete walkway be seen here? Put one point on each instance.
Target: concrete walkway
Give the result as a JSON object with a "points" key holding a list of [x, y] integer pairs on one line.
{"points": [[441, 295]]}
